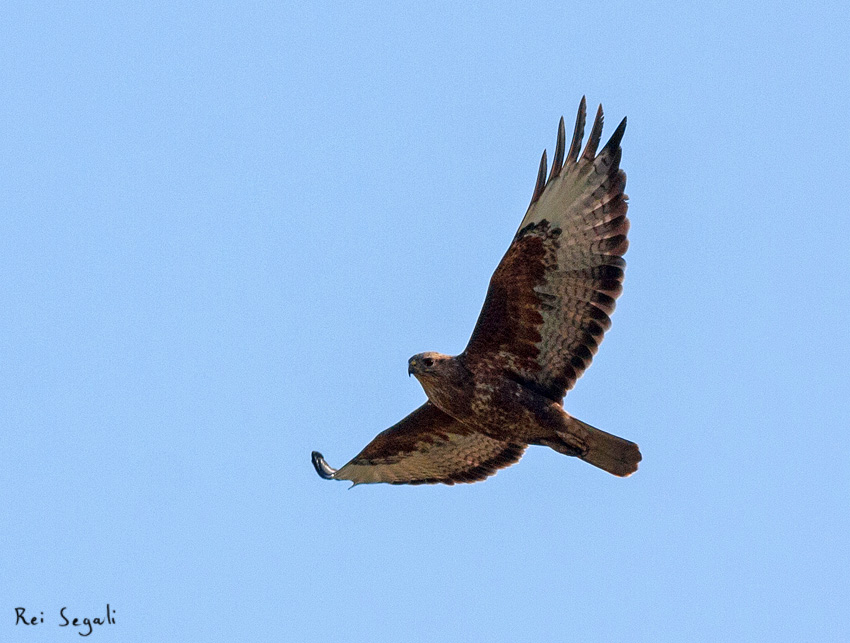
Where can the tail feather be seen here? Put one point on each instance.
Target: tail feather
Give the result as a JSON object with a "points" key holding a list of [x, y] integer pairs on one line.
{"points": [[608, 452]]}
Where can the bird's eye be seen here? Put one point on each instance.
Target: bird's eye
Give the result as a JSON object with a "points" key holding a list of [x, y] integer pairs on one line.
{"points": [[427, 362]]}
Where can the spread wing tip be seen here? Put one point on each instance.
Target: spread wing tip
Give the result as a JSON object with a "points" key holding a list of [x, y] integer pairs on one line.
{"points": [[614, 142], [322, 468], [595, 135], [563, 157], [578, 132], [558, 161], [540, 185]]}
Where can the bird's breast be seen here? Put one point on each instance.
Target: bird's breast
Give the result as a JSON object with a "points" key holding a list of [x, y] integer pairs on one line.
{"points": [[503, 404]]}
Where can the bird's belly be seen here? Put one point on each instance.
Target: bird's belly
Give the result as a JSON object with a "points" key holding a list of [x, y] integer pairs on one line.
{"points": [[507, 405]]}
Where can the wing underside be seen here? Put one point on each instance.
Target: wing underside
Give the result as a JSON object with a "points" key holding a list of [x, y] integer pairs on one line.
{"points": [[551, 297], [426, 447]]}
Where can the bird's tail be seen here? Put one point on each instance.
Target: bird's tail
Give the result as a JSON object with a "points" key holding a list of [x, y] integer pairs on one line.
{"points": [[608, 452]]}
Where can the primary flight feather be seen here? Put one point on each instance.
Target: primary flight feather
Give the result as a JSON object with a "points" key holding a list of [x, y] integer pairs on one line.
{"points": [[546, 311]]}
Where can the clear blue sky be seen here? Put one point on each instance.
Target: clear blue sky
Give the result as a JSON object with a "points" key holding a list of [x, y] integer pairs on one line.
{"points": [[225, 229]]}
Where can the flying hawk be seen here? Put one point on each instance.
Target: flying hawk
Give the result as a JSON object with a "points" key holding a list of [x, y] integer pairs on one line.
{"points": [[547, 308]]}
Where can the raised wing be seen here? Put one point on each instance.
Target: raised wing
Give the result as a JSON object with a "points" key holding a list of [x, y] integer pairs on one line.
{"points": [[426, 447], [551, 297]]}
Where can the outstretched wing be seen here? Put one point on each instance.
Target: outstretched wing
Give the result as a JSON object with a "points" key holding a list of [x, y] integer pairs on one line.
{"points": [[426, 447], [550, 300]]}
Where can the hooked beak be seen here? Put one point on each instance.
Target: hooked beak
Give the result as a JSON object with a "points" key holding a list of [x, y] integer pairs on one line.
{"points": [[411, 369]]}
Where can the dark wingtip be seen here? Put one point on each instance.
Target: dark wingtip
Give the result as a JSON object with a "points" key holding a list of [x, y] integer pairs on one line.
{"points": [[595, 136], [617, 136], [541, 179], [578, 131], [322, 467], [558, 161]]}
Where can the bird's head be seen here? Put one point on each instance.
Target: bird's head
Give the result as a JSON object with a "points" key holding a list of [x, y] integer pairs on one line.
{"points": [[445, 380], [425, 365]]}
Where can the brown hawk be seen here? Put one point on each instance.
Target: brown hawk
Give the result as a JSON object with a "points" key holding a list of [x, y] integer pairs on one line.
{"points": [[547, 308]]}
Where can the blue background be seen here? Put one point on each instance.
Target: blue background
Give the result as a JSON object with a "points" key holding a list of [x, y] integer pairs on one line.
{"points": [[225, 228]]}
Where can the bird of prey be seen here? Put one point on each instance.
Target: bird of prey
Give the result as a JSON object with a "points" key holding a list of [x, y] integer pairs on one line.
{"points": [[546, 310]]}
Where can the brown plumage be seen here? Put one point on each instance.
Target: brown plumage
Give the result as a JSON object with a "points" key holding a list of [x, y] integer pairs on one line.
{"points": [[546, 311]]}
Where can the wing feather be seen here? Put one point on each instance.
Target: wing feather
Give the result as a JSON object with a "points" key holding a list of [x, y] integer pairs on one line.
{"points": [[595, 135], [558, 161], [541, 179], [426, 447], [578, 132], [551, 297]]}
